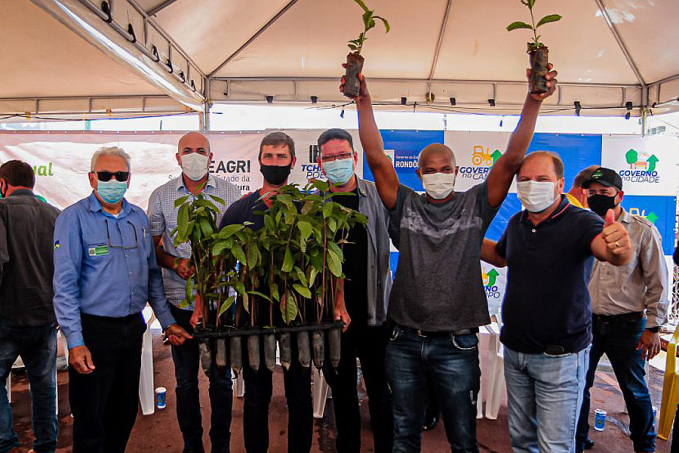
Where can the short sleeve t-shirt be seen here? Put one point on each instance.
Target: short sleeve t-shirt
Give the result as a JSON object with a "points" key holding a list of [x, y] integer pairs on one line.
{"points": [[438, 284], [549, 265]]}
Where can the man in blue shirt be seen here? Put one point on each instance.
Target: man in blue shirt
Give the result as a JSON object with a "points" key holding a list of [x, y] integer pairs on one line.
{"points": [[193, 156], [104, 273]]}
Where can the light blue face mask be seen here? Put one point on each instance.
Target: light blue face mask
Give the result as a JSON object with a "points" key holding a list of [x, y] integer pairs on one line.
{"points": [[112, 191], [339, 171]]}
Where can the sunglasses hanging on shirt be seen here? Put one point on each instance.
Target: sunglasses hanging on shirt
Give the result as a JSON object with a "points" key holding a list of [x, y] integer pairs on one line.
{"points": [[107, 175]]}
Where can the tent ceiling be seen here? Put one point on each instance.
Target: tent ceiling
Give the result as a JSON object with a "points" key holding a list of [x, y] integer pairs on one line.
{"points": [[292, 49]]}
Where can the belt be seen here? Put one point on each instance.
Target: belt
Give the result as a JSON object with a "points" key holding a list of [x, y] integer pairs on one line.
{"points": [[440, 333], [112, 320], [618, 319]]}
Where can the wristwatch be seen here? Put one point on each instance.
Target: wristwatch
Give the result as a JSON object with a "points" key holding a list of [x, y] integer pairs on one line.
{"points": [[655, 329]]}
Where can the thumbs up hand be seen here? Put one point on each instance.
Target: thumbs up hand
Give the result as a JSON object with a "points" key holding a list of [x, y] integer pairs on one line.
{"points": [[615, 235]]}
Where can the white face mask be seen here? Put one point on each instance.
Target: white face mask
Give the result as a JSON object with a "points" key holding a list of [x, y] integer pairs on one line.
{"points": [[438, 185], [536, 196], [194, 166]]}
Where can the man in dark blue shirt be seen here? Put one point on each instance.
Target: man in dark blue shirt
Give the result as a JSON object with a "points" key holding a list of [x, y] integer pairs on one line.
{"points": [[276, 159], [548, 248]]}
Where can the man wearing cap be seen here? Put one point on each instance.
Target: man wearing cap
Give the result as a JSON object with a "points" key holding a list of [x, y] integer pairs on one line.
{"points": [[621, 296], [577, 196]]}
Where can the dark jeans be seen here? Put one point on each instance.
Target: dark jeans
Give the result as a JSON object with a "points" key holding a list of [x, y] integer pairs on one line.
{"points": [[258, 390], [619, 343], [369, 344], [186, 364], [37, 347], [104, 403], [451, 363]]}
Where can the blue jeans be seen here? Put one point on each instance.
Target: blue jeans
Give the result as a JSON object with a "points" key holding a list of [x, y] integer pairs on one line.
{"points": [[451, 363], [544, 394], [186, 364], [619, 343], [37, 347]]}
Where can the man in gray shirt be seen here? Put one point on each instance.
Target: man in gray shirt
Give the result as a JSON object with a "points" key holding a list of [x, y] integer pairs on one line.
{"points": [[437, 301], [629, 304], [193, 156]]}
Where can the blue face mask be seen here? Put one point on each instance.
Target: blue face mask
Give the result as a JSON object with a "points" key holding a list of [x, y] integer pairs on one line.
{"points": [[339, 171], [112, 191]]}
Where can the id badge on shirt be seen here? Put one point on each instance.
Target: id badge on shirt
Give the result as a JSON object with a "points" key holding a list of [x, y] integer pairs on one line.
{"points": [[98, 250]]}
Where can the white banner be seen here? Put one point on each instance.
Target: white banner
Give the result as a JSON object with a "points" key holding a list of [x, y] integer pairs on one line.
{"points": [[475, 152], [647, 165], [62, 160]]}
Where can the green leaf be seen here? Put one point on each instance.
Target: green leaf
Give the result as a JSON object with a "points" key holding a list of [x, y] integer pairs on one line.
{"points": [[368, 21], [289, 307], [238, 253], [362, 4], [229, 230], [302, 290], [548, 19], [207, 204], [313, 272], [246, 300], [336, 250], [327, 210], [206, 227], [334, 264], [305, 228], [217, 199], [288, 262], [531, 3], [183, 220], [274, 292], [226, 305], [387, 27], [517, 25], [180, 201], [257, 293], [189, 290]]}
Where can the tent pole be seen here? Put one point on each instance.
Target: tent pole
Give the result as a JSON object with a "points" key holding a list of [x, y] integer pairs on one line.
{"points": [[439, 44]]}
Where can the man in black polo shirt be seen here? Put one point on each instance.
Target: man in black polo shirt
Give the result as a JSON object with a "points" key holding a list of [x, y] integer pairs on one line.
{"points": [[276, 159], [546, 312]]}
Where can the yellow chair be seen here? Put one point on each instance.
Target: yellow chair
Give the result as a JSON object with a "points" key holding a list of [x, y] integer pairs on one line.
{"points": [[670, 390]]}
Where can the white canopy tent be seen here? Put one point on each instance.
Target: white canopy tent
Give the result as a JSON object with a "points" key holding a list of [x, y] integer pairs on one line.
{"points": [[131, 57]]}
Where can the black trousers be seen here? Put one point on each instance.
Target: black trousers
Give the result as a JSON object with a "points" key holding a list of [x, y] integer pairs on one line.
{"points": [[104, 403], [369, 344], [258, 390]]}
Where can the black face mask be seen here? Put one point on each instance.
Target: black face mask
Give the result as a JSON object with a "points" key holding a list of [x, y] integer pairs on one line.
{"points": [[274, 174], [600, 204]]}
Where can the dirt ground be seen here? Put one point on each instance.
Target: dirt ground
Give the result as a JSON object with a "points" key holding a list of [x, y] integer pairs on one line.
{"points": [[160, 432]]}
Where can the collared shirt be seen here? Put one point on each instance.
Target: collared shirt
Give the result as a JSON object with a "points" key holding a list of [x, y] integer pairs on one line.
{"points": [[163, 218], [26, 263], [546, 302], [104, 266], [640, 285]]}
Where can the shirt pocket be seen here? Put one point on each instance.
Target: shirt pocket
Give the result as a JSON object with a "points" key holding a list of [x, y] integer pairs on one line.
{"points": [[95, 247]]}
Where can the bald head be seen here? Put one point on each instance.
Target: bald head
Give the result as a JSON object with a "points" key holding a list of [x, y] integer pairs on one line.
{"points": [[192, 142], [435, 155]]}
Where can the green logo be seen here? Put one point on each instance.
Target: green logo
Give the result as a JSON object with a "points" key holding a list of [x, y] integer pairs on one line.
{"points": [[98, 250], [632, 158]]}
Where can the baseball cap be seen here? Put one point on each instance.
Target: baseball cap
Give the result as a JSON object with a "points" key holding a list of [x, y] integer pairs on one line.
{"points": [[604, 176]]}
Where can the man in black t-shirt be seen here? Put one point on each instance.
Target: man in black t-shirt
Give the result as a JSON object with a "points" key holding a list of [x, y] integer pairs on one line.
{"points": [[276, 159], [546, 312], [366, 288]]}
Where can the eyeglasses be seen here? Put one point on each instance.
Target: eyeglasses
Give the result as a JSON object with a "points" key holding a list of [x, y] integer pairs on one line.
{"points": [[107, 175], [124, 247], [337, 157]]}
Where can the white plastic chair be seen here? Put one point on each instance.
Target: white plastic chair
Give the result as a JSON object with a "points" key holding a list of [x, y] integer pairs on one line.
{"points": [[496, 370]]}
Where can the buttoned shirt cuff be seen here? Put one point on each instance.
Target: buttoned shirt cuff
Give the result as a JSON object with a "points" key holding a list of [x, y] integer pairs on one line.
{"points": [[75, 339], [166, 319]]}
